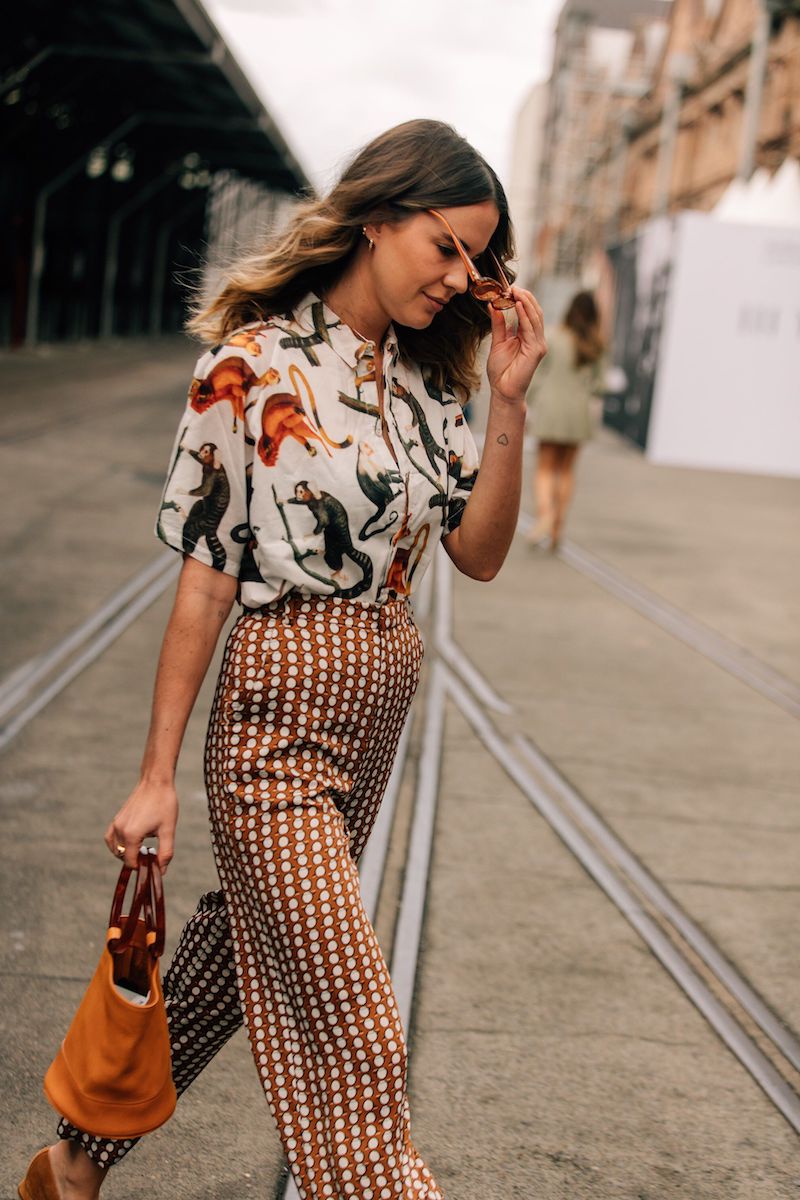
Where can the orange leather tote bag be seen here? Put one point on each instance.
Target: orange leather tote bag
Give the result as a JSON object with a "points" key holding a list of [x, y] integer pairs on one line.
{"points": [[113, 1073]]}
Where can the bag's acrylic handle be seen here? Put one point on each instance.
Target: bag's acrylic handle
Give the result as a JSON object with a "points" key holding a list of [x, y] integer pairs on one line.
{"points": [[148, 901], [154, 914], [122, 941]]}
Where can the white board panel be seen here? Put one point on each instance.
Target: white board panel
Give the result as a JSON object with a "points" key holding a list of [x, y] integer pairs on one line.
{"points": [[727, 391]]}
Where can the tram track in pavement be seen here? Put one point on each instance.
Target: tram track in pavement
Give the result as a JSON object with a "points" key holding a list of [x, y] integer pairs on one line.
{"points": [[731, 1005], [31, 686], [410, 915], [720, 650]]}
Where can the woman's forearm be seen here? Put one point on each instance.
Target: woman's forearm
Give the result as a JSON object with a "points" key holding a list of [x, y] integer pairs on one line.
{"points": [[202, 605], [479, 545]]}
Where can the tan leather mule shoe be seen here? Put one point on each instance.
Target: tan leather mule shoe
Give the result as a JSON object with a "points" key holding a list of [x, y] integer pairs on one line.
{"points": [[40, 1183]]}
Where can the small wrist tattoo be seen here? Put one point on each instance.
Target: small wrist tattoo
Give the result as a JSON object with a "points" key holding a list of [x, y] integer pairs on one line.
{"points": [[503, 439]]}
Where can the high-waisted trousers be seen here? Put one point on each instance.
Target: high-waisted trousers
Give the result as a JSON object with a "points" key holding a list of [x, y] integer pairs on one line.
{"points": [[311, 700]]}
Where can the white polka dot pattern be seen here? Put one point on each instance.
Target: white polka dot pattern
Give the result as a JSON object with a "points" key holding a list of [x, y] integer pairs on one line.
{"points": [[310, 704]]}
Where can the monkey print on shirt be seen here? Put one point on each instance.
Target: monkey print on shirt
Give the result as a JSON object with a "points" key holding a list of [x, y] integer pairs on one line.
{"points": [[331, 521], [231, 380], [310, 480], [207, 512], [284, 415], [376, 481]]}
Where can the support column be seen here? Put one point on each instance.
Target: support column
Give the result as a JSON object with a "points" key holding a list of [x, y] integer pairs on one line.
{"points": [[40, 222], [112, 242], [620, 167], [160, 264], [759, 53]]}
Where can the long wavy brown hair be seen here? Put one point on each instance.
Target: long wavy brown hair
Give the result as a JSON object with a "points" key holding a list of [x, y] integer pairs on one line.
{"points": [[414, 166], [582, 319]]}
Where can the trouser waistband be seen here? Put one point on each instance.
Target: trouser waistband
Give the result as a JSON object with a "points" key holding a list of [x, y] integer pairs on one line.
{"points": [[300, 609]]}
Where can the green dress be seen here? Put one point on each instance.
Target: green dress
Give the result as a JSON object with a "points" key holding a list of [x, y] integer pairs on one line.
{"points": [[560, 393]]}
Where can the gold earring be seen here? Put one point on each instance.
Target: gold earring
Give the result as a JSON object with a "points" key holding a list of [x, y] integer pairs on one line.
{"points": [[369, 239]]}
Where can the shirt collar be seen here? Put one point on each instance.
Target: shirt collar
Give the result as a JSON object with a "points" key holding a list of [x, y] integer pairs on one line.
{"points": [[313, 316]]}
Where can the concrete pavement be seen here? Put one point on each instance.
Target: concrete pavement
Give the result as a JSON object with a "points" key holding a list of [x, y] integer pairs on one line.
{"points": [[552, 1056]]}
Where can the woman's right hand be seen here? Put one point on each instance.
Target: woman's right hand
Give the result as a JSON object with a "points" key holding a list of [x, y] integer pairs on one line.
{"points": [[151, 810]]}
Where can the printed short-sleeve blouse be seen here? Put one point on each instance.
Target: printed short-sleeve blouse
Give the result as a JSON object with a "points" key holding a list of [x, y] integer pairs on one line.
{"points": [[281, 474]]}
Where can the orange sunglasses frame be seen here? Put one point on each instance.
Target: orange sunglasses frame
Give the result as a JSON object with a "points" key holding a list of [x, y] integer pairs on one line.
{"points": [[501, 296]]}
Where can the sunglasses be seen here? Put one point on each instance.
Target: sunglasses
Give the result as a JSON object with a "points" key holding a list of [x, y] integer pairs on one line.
{"points": [[496, 292]]}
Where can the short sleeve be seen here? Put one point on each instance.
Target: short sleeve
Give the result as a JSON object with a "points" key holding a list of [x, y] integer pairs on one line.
{"points": [[205, 502], [462, 467]]}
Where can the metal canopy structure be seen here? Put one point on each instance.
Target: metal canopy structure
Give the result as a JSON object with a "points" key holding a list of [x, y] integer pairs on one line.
{"points": [[115, 118]]}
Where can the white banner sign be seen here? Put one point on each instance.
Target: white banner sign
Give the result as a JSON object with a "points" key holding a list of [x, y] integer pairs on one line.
{"points": [[727, 391]]}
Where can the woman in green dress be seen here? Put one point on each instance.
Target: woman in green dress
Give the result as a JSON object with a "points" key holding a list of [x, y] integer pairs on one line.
{"points": [[561, 394]]}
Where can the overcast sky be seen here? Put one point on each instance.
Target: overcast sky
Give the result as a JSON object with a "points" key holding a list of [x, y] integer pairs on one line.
{"points": [[334, 73]]}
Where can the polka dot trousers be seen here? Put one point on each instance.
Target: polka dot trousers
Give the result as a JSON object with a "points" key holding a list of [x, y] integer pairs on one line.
{"points": [[310, 704]]}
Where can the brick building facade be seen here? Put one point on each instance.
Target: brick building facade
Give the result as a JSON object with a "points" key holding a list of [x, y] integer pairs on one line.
{"points": [[679, 143]]}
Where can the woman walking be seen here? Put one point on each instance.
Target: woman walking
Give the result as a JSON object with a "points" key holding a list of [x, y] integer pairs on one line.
{"points": [[321, 457], [561, 395]]}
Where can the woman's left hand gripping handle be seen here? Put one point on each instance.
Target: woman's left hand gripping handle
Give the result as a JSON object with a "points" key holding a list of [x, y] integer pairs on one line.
{"points": [[151, 810]]}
